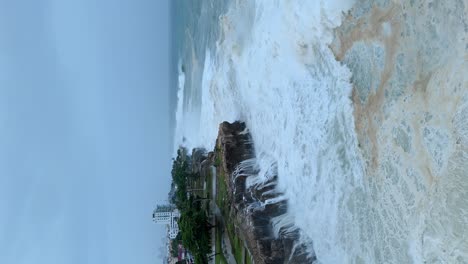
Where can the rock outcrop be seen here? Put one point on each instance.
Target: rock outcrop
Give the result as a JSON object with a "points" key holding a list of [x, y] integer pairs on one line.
{"points": [[247, 206]]}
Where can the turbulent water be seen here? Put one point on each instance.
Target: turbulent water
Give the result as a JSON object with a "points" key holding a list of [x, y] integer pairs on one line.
{"points": [[270, 64]]}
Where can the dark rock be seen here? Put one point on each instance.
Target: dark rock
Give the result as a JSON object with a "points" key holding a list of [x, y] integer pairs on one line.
{"points": [[247, 205], [198, 156]]}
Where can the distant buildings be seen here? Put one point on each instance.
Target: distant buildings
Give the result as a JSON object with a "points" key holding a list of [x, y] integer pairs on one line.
{"points": [[167, 215]]}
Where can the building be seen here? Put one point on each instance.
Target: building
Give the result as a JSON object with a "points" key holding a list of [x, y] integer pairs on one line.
{"points": [[167, 215]]}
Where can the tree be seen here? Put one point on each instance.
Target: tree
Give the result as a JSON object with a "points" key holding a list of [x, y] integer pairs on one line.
{"points": [[180, 173], [194, 228], [193, 222], [175, 245]]}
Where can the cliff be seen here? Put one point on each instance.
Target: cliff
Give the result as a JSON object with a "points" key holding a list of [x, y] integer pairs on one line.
{"points": [[246, 207]]}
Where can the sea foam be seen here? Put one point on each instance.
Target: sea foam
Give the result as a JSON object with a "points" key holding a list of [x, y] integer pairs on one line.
{"points": [[273, 69]]}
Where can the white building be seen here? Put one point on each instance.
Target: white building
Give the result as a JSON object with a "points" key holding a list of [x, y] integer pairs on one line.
{"points": [[167, 215]]}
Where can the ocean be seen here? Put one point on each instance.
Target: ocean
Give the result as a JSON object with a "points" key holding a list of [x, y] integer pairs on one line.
{"points": [[271, 65]]}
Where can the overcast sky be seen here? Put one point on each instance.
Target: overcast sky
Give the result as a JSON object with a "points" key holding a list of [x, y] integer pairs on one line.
{"points": [[84, 130]]}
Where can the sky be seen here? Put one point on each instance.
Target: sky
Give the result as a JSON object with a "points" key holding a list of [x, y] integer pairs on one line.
{"points": [[85, 149]]}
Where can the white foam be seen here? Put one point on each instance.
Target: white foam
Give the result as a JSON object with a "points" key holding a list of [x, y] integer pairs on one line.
{"points": [[281, 79], [273, 69]]}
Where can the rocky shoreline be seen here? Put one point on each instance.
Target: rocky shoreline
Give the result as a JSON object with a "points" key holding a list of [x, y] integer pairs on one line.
{"points": [[246, 207]]}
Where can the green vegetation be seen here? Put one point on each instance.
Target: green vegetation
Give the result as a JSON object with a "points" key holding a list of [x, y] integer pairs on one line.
{"points": [[221, 196], [237, 247], [175, 245], [220, 258], [190, 196], [194, 227], [222, 200], [193, 223], [248, 260], [217, 161]]}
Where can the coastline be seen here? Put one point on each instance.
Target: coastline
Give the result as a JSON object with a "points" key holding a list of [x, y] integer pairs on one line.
{"points": [[365, 128], [244, 214]]}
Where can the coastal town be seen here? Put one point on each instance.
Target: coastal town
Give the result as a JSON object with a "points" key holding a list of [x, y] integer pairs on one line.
{"points": [[214, 216], [199, 184]]}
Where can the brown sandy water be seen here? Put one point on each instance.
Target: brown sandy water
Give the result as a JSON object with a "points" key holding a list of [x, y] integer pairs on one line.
{"points": [[410, 94]]}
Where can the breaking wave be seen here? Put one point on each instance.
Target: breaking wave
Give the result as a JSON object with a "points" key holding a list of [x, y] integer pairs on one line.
{"points": [[274, 70]]}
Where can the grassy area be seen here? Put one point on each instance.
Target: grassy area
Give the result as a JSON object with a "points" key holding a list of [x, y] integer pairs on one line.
{"points": [[239, 251], [247, 259], [237, 248], [221, 194], [220, 258], [222, 202]]}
